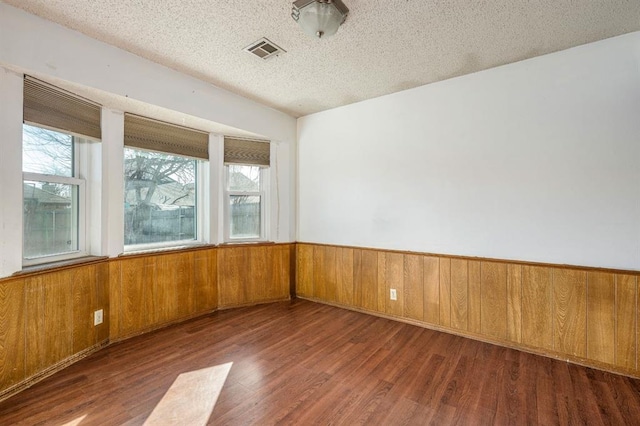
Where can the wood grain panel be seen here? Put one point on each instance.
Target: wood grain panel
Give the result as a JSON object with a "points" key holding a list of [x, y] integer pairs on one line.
{"points": [[344, 271], [357, 278], [36, 350], [280, 273], [514, 303], [102, 297], [260, 273], [601, 316], [570, 312], [115, 299], [431, 275], [304, 272], [12, 333], [137, 296], [319, 273], [459, 294], [394, 279], [369, 280], [626, 321], [494, 299], [233, 264], [165, 288], [475, 297], [85, 302], [413, 287], [537, 312], [58, 317], [206, 280], [383, 292], [445, 292], [331, 273]]}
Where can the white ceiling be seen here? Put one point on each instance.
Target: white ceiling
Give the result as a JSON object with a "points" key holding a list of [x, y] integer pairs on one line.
{"points": [[384, 46]]}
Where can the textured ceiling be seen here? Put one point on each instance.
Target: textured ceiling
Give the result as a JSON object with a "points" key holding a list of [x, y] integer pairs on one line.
{"points": [[384, 46]]}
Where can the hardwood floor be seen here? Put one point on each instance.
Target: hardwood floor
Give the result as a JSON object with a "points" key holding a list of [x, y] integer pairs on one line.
{"points": [[306, 363]]}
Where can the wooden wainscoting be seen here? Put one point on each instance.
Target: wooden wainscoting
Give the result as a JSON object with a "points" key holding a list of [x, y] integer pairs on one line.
{"points": [[585, 315], [248, 275], [46, 321], [46, 317], [155, 289]]}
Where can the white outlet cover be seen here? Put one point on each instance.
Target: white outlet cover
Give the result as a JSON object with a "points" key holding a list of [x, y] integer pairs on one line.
{"points": [[393, 294], [98, 317]]}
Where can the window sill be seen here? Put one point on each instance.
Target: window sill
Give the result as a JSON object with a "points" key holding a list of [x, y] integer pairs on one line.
{"points": [[60, 264], [171, 249]]}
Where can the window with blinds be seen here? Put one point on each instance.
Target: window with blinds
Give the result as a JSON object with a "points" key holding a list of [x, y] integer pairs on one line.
{"points": [[246, 189], [161, 163], [56, 127], [154, 135], [49, 106], [249, 152]]}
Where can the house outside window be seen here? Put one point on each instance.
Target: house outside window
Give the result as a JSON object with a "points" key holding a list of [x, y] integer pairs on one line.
{"points": [[246, 189], [246, 201], [164, 178], [160, 201], [53, 196]]}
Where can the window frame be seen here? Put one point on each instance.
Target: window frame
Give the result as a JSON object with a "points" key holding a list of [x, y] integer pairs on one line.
{"points": [[199, 213], [79, 205], [263, 193]]}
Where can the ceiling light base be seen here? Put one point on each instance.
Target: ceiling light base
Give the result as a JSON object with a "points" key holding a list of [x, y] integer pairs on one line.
{"points": [[319, 18]]}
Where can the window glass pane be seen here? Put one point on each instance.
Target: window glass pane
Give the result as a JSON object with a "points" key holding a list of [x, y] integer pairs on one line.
{"points": [[46, 151], [244, 178], [50, 218], [245, 216], [160, 197]]}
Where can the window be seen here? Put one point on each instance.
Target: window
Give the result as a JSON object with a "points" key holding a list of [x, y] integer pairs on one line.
{"points": [[164, 181], [55, 166], [160, 200], [246, 177], [53, 196], [245, 202]]}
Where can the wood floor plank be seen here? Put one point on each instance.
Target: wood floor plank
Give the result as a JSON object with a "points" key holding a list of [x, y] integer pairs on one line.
{"points": [[250, 366]]}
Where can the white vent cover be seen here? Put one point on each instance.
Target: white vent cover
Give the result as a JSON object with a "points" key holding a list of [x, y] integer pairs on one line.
{"points": [[264, 49]]}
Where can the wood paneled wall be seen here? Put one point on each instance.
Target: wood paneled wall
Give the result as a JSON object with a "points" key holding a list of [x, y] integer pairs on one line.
{"points": [[580, 314], [152, 290], [46, 320]]}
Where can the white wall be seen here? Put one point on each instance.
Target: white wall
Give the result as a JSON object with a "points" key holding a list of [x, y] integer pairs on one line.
{"points": [[38, 45], [35, 45], [10, 172], [537, 160]]}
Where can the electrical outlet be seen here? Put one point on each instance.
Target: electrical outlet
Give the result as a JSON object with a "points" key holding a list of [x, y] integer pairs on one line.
{"points": [[394, 294], [97, 317]]}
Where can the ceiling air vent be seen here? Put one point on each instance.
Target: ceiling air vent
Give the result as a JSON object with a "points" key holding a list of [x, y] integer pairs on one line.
{"points": [[264, 49]]}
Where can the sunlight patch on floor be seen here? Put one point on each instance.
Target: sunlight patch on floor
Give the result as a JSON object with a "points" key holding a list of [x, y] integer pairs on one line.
{"points": [[75, 422], [191, 398]]}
